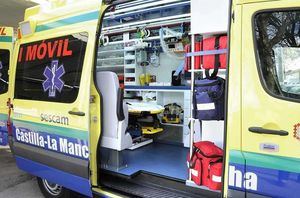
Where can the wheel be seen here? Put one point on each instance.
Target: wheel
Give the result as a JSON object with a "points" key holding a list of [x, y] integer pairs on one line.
{"points": [[51, 190]]}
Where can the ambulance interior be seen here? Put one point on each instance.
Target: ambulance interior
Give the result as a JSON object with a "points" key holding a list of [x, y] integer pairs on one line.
{"points": [[144, 78]]}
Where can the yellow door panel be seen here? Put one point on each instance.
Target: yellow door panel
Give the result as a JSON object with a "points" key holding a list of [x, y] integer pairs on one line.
{"points": [[269, 104], [234, 139], [50, 91], [260, 109], [6, 52]]}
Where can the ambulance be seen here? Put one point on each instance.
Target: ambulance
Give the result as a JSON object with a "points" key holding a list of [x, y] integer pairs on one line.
{"points": [[6, 52], [68, 122]]}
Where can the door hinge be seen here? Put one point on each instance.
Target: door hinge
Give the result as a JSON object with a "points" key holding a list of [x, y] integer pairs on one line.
{"points": [[92, 99]]}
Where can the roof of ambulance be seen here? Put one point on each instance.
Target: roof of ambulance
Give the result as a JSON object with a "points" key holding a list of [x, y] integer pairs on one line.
{"points": [[41, 14]]}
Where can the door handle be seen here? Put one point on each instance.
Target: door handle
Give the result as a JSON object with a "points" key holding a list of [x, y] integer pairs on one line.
{"points": [[261, 130], [77, 113]]}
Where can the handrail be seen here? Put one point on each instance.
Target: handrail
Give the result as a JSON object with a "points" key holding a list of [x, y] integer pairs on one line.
{"points": [[139, 7], [140, 11], [118, 28]]}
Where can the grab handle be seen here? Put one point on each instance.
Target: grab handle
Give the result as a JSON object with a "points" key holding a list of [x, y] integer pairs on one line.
{"points": [[261, 130], [77, 113]]}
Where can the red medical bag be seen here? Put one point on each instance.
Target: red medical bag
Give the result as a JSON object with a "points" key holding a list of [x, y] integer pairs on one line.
{"points": [[206, 165], [198, 46], [188, 60], [196, 170], [217, 60], [187, 63], [215, 175]]}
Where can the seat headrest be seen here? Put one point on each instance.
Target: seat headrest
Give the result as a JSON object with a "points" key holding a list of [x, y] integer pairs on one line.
{"points": [[107, 76]]}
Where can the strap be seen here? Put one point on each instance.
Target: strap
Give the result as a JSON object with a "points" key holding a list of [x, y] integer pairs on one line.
{"points": [[213, 75], [217, 56], [194, 100], [217, 61], [206, 53], [202, 50], [217, 160], [192, 162], [201, 153]]}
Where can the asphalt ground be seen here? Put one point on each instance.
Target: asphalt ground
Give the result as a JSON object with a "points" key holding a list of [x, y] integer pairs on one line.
{"points": [[15, 183]]}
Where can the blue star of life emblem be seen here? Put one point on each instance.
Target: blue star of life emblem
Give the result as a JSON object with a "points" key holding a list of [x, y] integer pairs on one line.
{"points": [[53, 80]]}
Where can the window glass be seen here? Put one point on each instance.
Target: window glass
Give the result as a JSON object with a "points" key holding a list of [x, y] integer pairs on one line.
{"points": [[4, 66], [50, 70], [277, 36]]}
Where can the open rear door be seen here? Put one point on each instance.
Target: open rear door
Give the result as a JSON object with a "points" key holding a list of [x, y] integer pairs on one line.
{"points": [[50, 114], [271, 99], [50, 94], [6, 49]]}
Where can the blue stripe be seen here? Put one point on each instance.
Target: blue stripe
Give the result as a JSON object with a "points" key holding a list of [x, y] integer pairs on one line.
{"points": [[270, 182], [6, 39], [68, 21], [205, 53], [72, 147], [3, 138], [67, 180]]}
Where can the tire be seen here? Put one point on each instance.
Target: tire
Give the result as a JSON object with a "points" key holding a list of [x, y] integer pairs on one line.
{"points": [[51, 190]]}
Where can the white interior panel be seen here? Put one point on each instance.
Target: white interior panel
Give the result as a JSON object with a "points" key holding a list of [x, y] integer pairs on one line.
{"points": [[213, 131], [209, 16]]}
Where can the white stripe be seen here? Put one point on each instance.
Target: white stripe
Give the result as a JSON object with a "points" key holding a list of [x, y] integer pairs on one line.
{"points": [[217, 179], [194, 172], [206, 106]]}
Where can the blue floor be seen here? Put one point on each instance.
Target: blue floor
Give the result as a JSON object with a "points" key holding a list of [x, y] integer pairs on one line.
{"points": [[162, 159]]}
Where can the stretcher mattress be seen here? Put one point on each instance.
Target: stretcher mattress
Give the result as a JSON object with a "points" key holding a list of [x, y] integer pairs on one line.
{"points": [[139, 107]]}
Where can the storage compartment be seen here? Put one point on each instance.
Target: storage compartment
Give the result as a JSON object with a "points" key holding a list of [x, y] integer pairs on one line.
{"points": [[161, 139]]}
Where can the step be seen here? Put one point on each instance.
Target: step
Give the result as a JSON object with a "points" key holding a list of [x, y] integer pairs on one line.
{"points": [[148, 186]]}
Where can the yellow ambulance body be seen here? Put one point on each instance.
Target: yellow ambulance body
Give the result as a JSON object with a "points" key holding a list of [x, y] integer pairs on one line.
{"points": [[6, 54], [56, 123]]}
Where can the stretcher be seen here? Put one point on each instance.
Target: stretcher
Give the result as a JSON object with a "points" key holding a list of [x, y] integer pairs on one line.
{"points": [[139, 110]]}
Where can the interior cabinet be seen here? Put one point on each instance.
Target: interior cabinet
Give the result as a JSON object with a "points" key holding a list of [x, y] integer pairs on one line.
{"points": [[163, 95]]}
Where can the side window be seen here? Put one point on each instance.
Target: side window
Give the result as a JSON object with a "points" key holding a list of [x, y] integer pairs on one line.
{"points": [[50, 70], [277, 36], [4, 67]]}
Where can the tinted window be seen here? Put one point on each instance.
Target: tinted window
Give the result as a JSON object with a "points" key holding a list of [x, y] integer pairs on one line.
{"points": [[4, 66], [50, 70], [278, 46]]}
